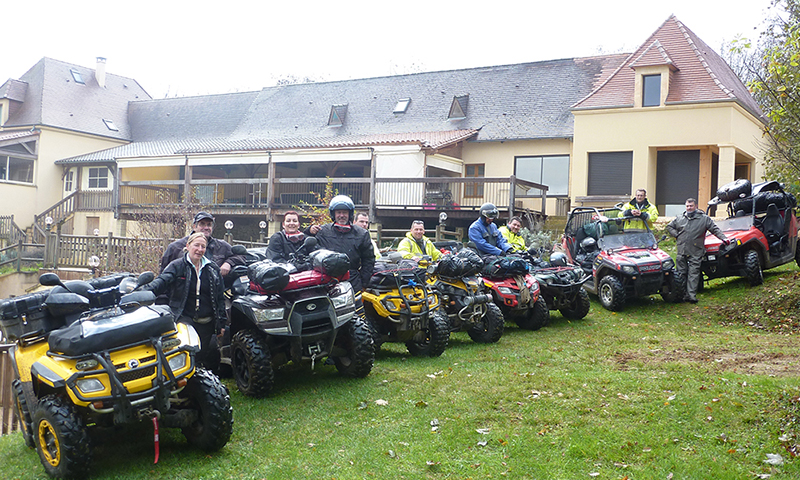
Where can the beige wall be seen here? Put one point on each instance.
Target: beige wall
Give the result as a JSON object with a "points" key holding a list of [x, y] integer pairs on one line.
{"points": [[723, 128], [47, 189]]}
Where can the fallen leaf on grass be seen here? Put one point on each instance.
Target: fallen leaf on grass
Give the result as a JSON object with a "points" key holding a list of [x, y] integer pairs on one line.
{"points": [[482, 431], [502, 441], [421, 404], [483, 443], [381, 402], [594, 474], [362, 406], [774, 459]]}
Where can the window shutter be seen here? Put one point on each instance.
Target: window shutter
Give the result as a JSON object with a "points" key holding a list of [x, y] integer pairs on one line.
{"points": [[610, 173]]}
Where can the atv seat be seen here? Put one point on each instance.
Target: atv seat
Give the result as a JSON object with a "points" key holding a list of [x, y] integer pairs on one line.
{"points": [[772, 224]]}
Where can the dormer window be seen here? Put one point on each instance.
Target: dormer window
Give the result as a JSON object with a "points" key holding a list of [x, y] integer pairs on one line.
{"points": [[402, 105], [76, 75], [336, 118], [458, 109], [651, 90], [110, 125]]}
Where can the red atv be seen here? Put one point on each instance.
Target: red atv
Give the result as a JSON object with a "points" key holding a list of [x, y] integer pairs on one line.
{"points": [[762, 226], [623, 264]]}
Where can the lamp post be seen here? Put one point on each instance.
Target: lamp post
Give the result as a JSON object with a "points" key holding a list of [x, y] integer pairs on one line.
{"points": [[262, 234], [94, 262], [49, 251], [228, 234]]}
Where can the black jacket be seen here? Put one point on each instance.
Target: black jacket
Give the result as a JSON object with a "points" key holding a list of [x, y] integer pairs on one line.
{"points": [[357, 244], [280, 248], [175, 280], [218, 251]]}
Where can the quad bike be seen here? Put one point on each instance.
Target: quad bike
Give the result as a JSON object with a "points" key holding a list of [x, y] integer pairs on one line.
{"points": [[402, 307], [518, 295], [466, 301], [310, 317], [623, 264], [561, 285], [762, 226], [97, 354]]}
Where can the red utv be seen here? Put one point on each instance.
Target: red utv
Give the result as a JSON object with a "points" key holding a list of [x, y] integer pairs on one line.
{"points": [[623, 264], [762, 226]]}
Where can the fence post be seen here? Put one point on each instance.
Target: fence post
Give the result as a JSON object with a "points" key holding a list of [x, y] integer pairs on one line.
{"points": [[439, 235], [109, 251], [379, 234], [19, 256]]}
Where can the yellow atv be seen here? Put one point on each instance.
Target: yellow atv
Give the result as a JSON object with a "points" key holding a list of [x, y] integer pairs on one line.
{"points": [[402, 307], [92, 355]]}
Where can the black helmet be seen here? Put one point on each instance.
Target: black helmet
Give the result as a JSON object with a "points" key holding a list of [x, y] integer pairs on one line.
{"points": [[558, 259], [488, 210], [588, 244], [341, 202]]}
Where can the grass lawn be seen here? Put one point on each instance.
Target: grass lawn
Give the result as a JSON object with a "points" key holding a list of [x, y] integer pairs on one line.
{"points": [[657, 391]]}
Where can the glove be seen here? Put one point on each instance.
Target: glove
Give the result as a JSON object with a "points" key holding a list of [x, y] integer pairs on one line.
{"points": [[726, 242]]}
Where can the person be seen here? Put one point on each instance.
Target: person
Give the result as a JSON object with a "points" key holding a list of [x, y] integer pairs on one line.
{"points": [[344, 237], [282, 245], [416, 245], [599, 222], [689, 230], [195, 288], [485, 234], [510, 232], [642, 209], [362, 220], [218, 251]]}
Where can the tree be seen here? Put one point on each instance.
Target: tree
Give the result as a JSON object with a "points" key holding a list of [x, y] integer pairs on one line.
{"points": [[776, 87]]}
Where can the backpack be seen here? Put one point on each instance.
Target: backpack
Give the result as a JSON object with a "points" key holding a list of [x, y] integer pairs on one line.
{"points": [[504, 267]]}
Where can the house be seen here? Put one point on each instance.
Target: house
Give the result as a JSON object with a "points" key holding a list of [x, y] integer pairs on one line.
{"points": [[57, 110], [670, 117]]}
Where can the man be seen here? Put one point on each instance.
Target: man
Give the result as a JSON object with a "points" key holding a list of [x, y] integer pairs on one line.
{"points": [[362, 220], [690, 229], [415, 245], [218, 251], [344, 237], [484, 233], [511, 233], [641, 208]]}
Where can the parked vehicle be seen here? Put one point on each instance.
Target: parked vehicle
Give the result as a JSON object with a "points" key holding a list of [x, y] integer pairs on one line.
{"points": [[402, 307], [89, 355], [623, 264], [465, 299], [561, 285], [302, 312], [762, 225], [516, 292]]}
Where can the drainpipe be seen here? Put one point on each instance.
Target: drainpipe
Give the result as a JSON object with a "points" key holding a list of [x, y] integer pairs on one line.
{"points": [[372, 173]]}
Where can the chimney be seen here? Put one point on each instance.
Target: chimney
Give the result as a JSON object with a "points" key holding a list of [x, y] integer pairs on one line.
{"points": [[100, 72]]}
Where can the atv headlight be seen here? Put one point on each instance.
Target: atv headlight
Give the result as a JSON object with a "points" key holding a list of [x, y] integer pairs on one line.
{"points": [[629, 269], [177, 362], [90, 385], [267, 315], [87, 364], [342, 296], [505, 290], [667, 264]]}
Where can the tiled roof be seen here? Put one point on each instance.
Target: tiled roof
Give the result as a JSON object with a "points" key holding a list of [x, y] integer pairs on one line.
{"points": [[654, 55], [13, 90], [701, 76], [53, 98], [15, 136], [160, 148]]}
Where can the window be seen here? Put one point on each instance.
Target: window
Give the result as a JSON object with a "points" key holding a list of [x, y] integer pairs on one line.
{"points": [[402, 105], [651, 90], [76, 75], [337, 115], [610, 173], [69, 180], [14, 169], [474, 189], [551, 170], [458, 109], [110, 125], [98, 177]]}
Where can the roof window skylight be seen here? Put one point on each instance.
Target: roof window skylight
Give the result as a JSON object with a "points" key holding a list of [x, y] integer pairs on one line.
{"points": [[402, 105], [110, 125], [337, 115], [458, 109], [76, 75]]}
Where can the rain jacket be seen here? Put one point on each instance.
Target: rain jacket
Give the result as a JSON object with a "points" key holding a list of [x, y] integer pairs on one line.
{"points": [[649, 214], [410, 247], [689, 230], [487, 238], [515, 240]]}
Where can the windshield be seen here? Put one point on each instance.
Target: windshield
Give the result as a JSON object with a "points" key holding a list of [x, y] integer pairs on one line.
{"points": [[736, 223], [641, 239]]}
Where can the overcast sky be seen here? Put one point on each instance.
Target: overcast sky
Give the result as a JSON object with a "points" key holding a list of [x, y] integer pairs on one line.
{"points": [[181, 48]]}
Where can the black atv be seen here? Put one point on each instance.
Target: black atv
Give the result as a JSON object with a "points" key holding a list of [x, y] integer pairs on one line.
{"points": [[561, 284]]}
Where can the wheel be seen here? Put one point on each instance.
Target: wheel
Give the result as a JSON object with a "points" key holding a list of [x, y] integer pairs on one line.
{"points": [[433, 341], [611, 293], [377, 338], [23, 413], [579, 307], [673, 291], [61, 438], [797, 254], [490, 328], [536, 317], [214, 424], [358, 354], [752, 268], [252, 364]]}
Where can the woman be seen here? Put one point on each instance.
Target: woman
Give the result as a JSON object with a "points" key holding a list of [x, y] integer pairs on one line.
{"points": [[196, 288], [286, 242]]}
